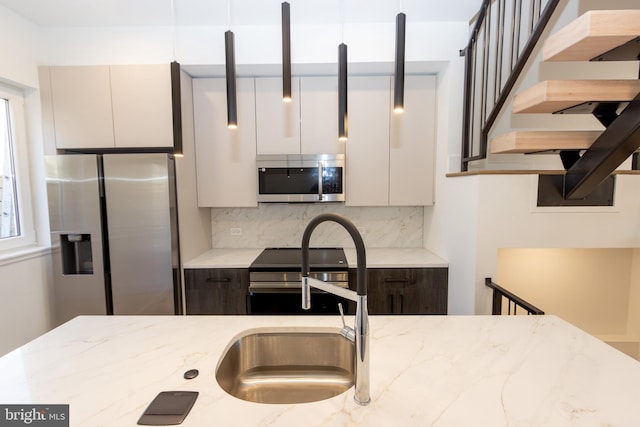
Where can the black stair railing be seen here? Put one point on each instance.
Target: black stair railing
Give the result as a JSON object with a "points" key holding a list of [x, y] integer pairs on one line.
{"points": [[500, 294], [502, 40]]}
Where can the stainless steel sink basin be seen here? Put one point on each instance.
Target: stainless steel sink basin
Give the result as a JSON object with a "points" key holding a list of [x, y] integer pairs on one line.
{"points": [[293, 365]]}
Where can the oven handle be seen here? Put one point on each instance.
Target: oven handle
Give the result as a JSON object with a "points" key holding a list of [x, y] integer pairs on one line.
{"points": [[272, 287]]}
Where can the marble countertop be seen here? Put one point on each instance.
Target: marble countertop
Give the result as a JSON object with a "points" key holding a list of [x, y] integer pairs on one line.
{"points": [[425, 370], [376, 258]]}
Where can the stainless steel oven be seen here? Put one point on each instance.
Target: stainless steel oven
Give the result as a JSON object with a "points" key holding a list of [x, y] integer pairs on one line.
{"points": [[274, 281]]}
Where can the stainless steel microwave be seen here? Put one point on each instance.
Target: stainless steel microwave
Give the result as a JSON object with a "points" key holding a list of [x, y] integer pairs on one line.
{"points": [[300, 178]]}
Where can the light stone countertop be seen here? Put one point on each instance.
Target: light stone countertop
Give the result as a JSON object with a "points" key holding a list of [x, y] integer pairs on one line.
{"points": [[376, 258], [425, 370], [224, 258]]}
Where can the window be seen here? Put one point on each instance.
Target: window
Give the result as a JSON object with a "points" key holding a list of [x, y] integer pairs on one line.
{"points": [[16, 224], [9, 224]]}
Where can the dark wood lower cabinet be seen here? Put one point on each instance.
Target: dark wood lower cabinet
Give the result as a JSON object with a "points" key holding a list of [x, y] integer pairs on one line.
{"points": [[406, 290], [216, 290], [389, 290]]}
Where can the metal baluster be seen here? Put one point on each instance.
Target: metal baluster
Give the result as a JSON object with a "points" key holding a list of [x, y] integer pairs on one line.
{"points": [[499, 47], [513, 32], [472, 114], [532, 12], [517, 33], [485, 66], [539, 4]]}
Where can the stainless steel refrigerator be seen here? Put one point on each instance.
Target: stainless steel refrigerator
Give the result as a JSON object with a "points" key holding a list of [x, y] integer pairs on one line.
{"points": [[114, 234]]}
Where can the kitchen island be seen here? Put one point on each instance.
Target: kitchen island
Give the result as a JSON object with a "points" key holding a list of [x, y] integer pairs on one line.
{"points": [[425, 370]]}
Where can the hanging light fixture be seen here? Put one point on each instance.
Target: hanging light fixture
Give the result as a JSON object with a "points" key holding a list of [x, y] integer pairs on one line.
{"points": [[176, 101], [398, 86], [230, 68], [342, 83], [342, 93], [286, 53]]}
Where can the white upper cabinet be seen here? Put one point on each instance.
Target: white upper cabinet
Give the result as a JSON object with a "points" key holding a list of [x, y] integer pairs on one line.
{"points": [[412, 144], [319, 116], [307, 125], [81, 99], [277, 122], [390, 157], [142, 106], [95, 107], [367, 148], [225, 158]]}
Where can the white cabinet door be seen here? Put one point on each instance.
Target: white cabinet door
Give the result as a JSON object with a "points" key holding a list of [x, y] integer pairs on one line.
{"points": [[367, 149], [81, 99], [319, 116], [412, 144], [225, 158], [142, 107], [277, 122]]}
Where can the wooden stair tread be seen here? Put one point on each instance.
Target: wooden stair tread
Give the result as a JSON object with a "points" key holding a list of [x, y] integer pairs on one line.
{"points": [[554, 95], [535, 141], [592, 34]]}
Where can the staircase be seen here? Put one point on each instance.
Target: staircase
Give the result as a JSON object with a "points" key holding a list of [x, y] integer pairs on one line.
{"points": [[594, 36]]}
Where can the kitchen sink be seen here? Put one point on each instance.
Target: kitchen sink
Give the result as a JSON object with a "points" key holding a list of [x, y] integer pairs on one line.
{"points": [[287, 365]]}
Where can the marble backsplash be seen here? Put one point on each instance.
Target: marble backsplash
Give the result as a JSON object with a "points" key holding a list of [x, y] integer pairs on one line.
{"points": [[282, 225]]}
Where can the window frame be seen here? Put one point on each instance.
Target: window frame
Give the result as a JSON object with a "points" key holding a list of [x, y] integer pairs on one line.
{"points": [[21, 160]]}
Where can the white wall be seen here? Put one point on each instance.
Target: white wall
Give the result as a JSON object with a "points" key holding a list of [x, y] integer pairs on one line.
{"points": [[26, 297], [450, 226], [508, 218], [25, 281], [368, 43], [18, 48]]}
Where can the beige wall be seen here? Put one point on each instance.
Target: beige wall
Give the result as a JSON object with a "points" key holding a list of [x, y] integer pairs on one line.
{"points": [[634, 296], [589, 288], [26, 298]]}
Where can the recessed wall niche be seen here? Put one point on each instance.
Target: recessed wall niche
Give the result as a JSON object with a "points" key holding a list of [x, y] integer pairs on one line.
{"points": [[595, 289]]}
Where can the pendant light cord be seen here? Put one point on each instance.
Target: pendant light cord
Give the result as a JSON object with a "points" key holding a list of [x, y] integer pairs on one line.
{"points": [[173, 30], [342, 21]]}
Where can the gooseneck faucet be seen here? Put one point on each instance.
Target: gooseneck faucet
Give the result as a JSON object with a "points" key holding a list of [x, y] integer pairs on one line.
{"points": [[362, 395]]}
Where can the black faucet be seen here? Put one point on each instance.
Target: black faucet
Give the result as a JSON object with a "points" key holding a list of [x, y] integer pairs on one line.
{"points": [[361, 330]]}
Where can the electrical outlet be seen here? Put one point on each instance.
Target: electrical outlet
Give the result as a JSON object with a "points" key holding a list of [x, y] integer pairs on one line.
{"points": [[236, 231]]}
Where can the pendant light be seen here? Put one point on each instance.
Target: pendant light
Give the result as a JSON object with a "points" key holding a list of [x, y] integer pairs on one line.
{"points": [[398, 86], [286, 52], [176, 101], [342, 93], [342, 84], [230, 68]]}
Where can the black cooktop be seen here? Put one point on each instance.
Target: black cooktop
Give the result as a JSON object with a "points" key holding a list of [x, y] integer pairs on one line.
{"points": [[291, 259]]}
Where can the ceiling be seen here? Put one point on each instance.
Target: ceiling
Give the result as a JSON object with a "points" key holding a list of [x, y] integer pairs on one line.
{"points": [[109, 13]]}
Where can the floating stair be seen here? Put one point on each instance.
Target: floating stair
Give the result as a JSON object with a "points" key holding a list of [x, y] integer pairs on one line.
{"points": [[595, 36], [592, 34], [552, 96], [528, 142]]}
